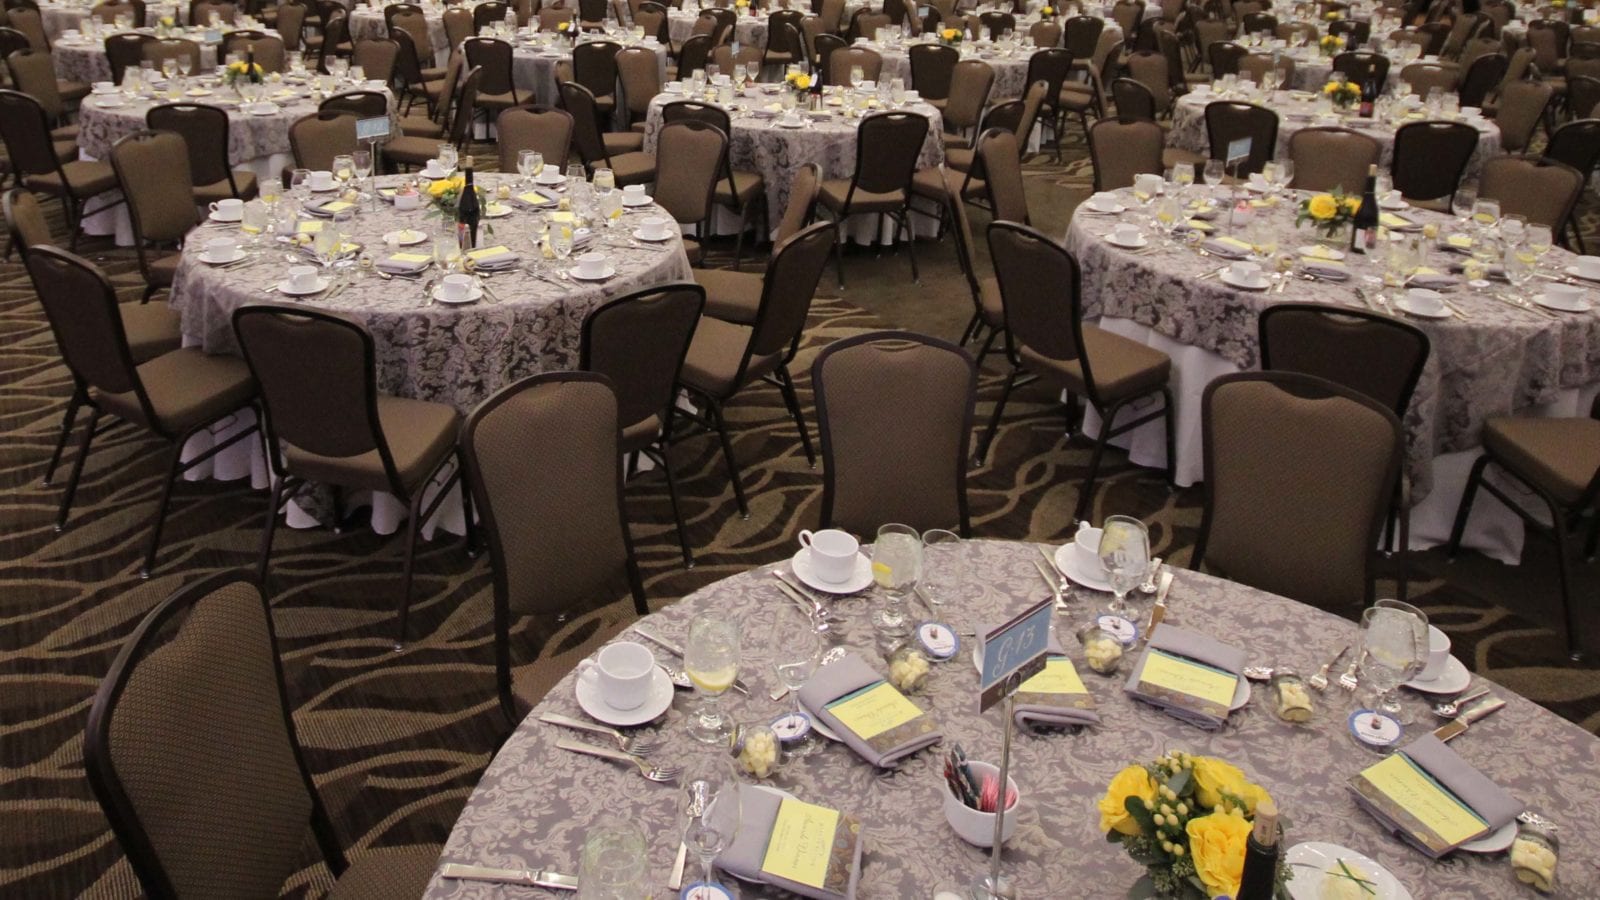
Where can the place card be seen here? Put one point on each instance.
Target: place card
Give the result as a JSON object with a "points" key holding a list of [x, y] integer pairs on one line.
{"points": [[334, 206], [1187, 684], [873, 710], [1236, 244], [308, 227], [534, 198], [489, 253], [411, 258], [1409, 798], [1057, 684], [801, 846], [1390, 220]]}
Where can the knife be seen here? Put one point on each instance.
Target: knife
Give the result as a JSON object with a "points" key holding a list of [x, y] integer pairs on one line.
{"points": [[1478, 709], [1158, 612], [1055, 586], [530, 877], [675, 650]]}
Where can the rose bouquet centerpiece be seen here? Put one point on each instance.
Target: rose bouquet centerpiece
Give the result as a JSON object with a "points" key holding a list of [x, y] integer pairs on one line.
{"points": [[950, 37], [1331, 44], [1330, 213], [1342, 92], [445, 194], [1185, 819], [799, 82], [1047, 12], [237, 73]]}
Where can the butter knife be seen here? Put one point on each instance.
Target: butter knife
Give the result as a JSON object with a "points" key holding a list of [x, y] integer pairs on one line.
{"points": [[1158, 612], [1478, 710], [1055, 586], [530, 877], [675, 650]]}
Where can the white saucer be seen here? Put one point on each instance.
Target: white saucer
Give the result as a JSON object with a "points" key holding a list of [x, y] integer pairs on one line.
{"points": [[198, 92], [284, 287], [639, 234], [406, 237], [1544, 301], [1232, 280], [655, 702], [1090, 207], [1308, 860], [1132, 245], [549, 178], [1573, 271], [1405, 306], [264, 109], [216, 218], [1453, 680], [1495, 841], [860, 578], [1393, 204], [784, 123], [611, 269], [635, 204], [497, 210], [1067, 562], [206, 257], [435, 174], [472, 296], [109, 102]]}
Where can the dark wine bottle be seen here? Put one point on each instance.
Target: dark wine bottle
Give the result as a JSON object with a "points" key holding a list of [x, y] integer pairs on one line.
{"points": [[251, 73], [1364, 227], [1369, 96], [467, 214], [1261, 855]]}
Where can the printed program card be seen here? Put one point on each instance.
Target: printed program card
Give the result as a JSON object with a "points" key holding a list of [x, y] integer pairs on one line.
{"points": [[1187, 684], [488, 252], [801, 846], [1400, 790], [873, 710], [1059, 677], [411, 258]]}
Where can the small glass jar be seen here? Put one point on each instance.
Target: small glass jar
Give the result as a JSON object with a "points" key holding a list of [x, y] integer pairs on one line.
{"points": [[908, 668], [1534, 853], [1291, 698], [1101, 649], [756, 750]]}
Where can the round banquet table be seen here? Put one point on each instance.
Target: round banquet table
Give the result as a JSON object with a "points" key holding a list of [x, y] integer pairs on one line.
{"points": [[750, 31], [1189, 125], [84, 58], [533, 66], [1499, 361], [62, 17], [534, 803], [367, 23], [759, 144], [1010, 65]]}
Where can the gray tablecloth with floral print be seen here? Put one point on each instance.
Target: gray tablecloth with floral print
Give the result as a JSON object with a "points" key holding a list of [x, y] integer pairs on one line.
{"points": [[532, 806], [1010, 68], [85, 60], [751, 30], [1189, 126], [1497, 361], [533, 67], [449, 354]]}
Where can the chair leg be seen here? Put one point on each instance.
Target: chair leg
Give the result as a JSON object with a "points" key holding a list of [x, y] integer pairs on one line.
{"points": [[911, 244], [472, 547], [727, 458], [270, 528], [70, 208], [1169, 421], [77, 469], [994, 420], [412, 527], [744, 226], [1558, 530], [838, 247], [67, 420], [636, 587], [160, 519], [988, 347], [792, 400], [672, 493], [1594, 537], [1465, 509], [971, 331], [1086, 492], [1403, 554]]}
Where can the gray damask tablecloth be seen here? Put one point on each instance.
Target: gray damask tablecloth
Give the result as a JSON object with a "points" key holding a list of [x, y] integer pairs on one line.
{"points": [[1010, 68], [534, 803], [450, 354], [85, 60], [1189, 127], [751, 30], [533, 67]]}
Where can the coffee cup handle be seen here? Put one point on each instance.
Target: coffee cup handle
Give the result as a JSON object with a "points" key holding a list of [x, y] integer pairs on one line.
{"points": [[805, 538], [586, 669], [213, 206]]}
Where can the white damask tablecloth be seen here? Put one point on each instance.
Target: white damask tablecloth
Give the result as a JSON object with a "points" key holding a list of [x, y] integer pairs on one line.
{"points": [[534, 66], [85, 60], [533, 806]]}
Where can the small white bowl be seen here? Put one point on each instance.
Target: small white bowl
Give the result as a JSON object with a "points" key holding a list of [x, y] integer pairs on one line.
{"points": [[972, 826]]}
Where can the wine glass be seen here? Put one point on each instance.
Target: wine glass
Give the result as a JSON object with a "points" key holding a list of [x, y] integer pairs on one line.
{"points": [[1168, 215], [1519, 262], [529, 163], [1393, 649], [1183, 174], [1485, 212], [446, 246], [326, 244], [1514, 227], [561, 239], [941, 565], [1125, 552], [793, 661], [1214, 171], [604, 179], [447, 156], [344, 169], [711, 801], [362, 160], [896, 567], [1282, 175], [1264, 238], [300, 184], [711, 659], [1539, 239]]}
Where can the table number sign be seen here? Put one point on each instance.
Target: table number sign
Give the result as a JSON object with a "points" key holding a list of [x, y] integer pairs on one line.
{"points": [[1425, 811], [1186, 684], [1013, 653], [1238, 153], [373, 129]]}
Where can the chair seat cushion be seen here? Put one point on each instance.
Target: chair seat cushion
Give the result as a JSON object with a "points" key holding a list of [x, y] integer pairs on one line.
{"points": [[221, 190], [65, 133], [958, 158], [714, 354], [84, 178], [419, 434], [1122, 368], [1559, 455], [152, 329], [691, 249], [834, 192], [385, 873], [640, 434], [420, 126], [72, 90], [497, 101], [66, 151], [163, 269], [747, 186], [930, 183], [623, 141], [411, 151], [186, 387], [633, 168], [730, 296]]}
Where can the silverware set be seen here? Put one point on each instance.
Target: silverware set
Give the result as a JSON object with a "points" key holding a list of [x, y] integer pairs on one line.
{"points": [[633, 745], [1061, 587], [663, 774], [1319, 681]]}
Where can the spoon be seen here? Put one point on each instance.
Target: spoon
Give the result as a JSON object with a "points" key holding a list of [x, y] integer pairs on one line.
{"points": [[1453, 708], [1319, 681]]}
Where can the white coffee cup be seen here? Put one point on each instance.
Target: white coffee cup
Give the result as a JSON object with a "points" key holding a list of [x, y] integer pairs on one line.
{"points": [[1588, 266], [407, 201], [833, 553], [1148, 183], [1126, 233], [321, 180], [1565, 296], [456, 287], [221, 248], [653, 227], [1424, 300], [673, 87], [1087, 542], [635, 193], [104, 87], [592, 264], [623, 672], [231, 209], [303, 278], [1105, 200], [1245, 271], [1438, 655]]}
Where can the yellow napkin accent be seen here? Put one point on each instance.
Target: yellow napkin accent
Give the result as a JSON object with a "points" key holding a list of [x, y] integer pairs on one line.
{"points": [[495, 209], [1315, 252], [486, 252], [1058, 677], [1399, 779], [411, 257], [1424, 270], [1202, 226], [1235, 243], [533, 197], [1322, 261], [1188, 677], [335, 206], [1390, 220], [875, 709], [1459, 240], [311, 227], [801, 845], [562, 217]]}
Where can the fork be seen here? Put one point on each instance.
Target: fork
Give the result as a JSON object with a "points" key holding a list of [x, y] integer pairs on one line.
{"points": [[663, 774], [1348, 679], [634, 745], [1319, 681]]}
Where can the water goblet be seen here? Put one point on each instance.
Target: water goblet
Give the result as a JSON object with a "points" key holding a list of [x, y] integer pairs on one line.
{"points": [[896, 567], [614, 860], [1393, 648], [793, 661], [344, 169], [942, 552], [525, 164], [711, 800], [711, 660], [1125, 553]]}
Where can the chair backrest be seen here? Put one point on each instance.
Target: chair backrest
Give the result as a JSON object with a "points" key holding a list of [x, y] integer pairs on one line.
{"points": [[638, 341], [1133, 99], [969, 93], [826, 46], [1518, 67], [1543, 190], [1369, 353], [1225, 57], [932, 67], [1548, 40], [793, 271], [690, 156], [1127, 14], [552, 17], [174, 48], [723, 57], [34, 73], [1255, 66], [291, 24], [458, 27], [81, 306], [376, 57], [407, 63], [655, 20], [11, 40], [1362, 66], [586, 133], [640, 74], [200, 12], [316, 139], [594, 65], [1150, 68], [1299, 474], [694, 54], [485, 15], [994, 24], [548, 131], [179, 797], [268, 50], [108, 12], [887, 148], [1476, 49], [153, 172], [1081, 35], [1045, 33], [592, 11], [361, 104], [205, 133], [1429, 157], [1230, 120], [29, 22], [803, 190], [411, 19], [25, 220], [1040, 294], [1577, 143], [999, 153], [460, 131], [494, 57], [1327, 157], [124, 50], [1423, 77], [1522, 106], [899, 389], [1259, 23], [1484, 74], [1121, 147], [961, 229], [842, 61], [25, 128]]}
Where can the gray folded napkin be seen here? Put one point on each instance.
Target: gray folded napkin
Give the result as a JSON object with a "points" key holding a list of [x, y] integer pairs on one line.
{"points": [[1225, 249], [1433, 281], [1191, 645], [743, 858], [404, 266], [851, 674], [1036, 709], [1490, 801], [1327, 271]]}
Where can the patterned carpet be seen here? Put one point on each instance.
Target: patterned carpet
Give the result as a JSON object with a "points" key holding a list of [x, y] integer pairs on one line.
{"points": [[398, 740]]}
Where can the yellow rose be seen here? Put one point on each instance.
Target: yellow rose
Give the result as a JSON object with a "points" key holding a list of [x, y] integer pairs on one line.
{"points": [[1133, 781], [1217, 844], [1214, 777], [1351, 204], [1322, 206], [440, 187]]}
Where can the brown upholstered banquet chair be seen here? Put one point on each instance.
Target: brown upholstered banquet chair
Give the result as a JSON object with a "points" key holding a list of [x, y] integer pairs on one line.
{"points": [[1299, 473], [410, 18], [693, 57], [174, 48], [180, 797], [325, 423], [723, 57], [333, 43], [125, 50], [654, 18], [932, 68], [1548, 40], [152, 169], [1558, 460], [108, 12], [1045, 34], [1082, 99], [200, 12], [692, 157], [887, 148], [969, 96], [600, 149], [1225, 57], [205, 134], [1429, 158], [29, 22], [1080, 35], [376, 57], [1127, 14], [1230, 120], [34, 73], [741, 192], [1258, 23], [726, 357], [594, 65], [553, 542], [987, 313], [1001, 162], [458, 27], [842, 61], [735, 296], [487, 15], [1577, 144], [1120, 148], [416, 151], [496, 88], [1132, 99], [899, 389], [361, 104], [438, 96], [268, 49], [638, 341], [547, 131], [1361, 66], [1255, 66], [316, 139], [173, 396], [551, 18], [1482, 79], [1047, 338], [1521, 108], [1017, 115], [409, 72], [1151, 69], [1326, 158], [640, 75], [1054, 66], [1544, 191], [1420, 78], [290, 22]]}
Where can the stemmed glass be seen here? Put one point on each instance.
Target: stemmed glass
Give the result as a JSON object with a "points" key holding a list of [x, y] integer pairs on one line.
{"points": [[1393, 649], [300, 184], [447, 157], [1125, 552], [529, 164], [941, 565], [1519, 262], [362, 166], [1168, 215], [1539, 239], [1282, 175], [793, 662], [711, 801], [896, 567], [344, 169], [1485, 212], [711, 659], [1183, 174], [1214, 172], [561, 239], [326, 244]]}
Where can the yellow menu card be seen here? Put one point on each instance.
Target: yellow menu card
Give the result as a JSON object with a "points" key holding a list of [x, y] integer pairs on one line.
{"points": [[1190, 678], [1390, 220], [335, 206], [1058, 677], [311, 227], [487, 252], [534, 197], [801, 845], [1235, 243], [1406, 789], [411, 258], [874, 709]]}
